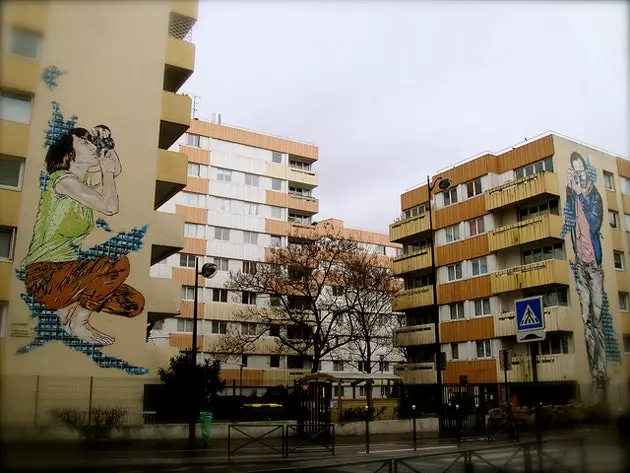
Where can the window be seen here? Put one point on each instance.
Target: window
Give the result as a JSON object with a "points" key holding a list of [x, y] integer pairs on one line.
{"points": [[188, 293], [539, 166], [244, 361], [545, 253], [15, 108], [249, 329], [224, 204], [224, 175], [25, 43], [416, 246], [339, 391], [222, 263], [477, 226], [274, 361], [276, 212], [276, 241], [185, 325], [613, 219], [479, 266], [455, 351], [452, 234], [194, 169], [249, 267], [543, 208], [457, 311], [474, 188], [11, 170], [192, 140], [191, 199], [383, 366], [484, 349], [251, 209], [414, 211], [414, 282], [337, 291], [274, 330], [193, 230], [295, 362], [337, 365], [455, 272], [298, 218], [251, 180], [554, 344], [276, 157], [627, 217], [7, 241], [623, 301], [248, 298], [299, 191], [219, 295], [221, 233], [482, 307], [554, 297], [276, 184], [187, 261], [219, 327], [450, 196], [625, 185], [275, 301], [626, 344], [250, 238], [609, 180], [618, 258], [363, 368]]}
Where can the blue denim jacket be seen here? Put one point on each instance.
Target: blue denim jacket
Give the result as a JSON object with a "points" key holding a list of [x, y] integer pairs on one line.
{"points": [[592, 207]]}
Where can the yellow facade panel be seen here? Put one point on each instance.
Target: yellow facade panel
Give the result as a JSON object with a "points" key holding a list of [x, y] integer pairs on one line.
{"points": [[180, 54], [10, 202], [6, 279], [31, 15], [14, 138], [411, 262], [550, 368], [20, 74], [415, 335], [531, 275], [399, 231], [412, 298], [557, 319], [526, 231], [172, 167], [416, 373], [188, 8], [164, 297], [522, 189]]}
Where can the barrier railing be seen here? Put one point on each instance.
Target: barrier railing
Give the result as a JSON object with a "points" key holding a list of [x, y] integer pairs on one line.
{"points": [[310, 434]]}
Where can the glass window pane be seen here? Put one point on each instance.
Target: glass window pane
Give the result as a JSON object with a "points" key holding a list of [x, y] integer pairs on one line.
{"points": [[25, 43], [486, 306], [549, 164], [15, 108], [6, 236], [10, 170]]}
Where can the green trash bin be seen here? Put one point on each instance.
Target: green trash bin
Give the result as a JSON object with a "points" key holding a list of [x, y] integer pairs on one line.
{"points": [[206, 425]]}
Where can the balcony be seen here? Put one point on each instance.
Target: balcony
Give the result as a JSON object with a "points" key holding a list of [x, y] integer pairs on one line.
{"points": [[172, 175], [403, 229], [536, 185], [174, 118], [415, 335], [550, 368], [167, 235], [187, 8], [179, 63], [557, 319], [10, 207], [19, 73], [478, 371], [412, 298], [532, 275], [302, 176], [164, 298], [183, 341], [416, 373], [527, 231], [411, 262]]}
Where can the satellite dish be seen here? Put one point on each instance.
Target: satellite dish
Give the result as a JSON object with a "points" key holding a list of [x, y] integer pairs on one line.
{"points": [[209, 270], [444, 184]]}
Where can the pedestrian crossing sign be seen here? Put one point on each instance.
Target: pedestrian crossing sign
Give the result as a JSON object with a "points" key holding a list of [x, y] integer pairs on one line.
{"points": [[530, 319]]}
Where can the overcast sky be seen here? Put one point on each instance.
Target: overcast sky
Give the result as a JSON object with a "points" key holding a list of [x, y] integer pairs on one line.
{"points": [[393, 91]]}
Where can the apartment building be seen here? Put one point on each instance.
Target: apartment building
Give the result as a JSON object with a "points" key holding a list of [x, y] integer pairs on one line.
{"points": [[88, 110], [548, 217], [246, 193]]}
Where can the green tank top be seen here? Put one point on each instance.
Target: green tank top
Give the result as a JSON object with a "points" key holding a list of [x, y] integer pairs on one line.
{"points": [[61, 224]]}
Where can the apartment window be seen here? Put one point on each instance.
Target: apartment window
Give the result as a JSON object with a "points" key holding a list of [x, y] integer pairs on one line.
{"points": [[219, 295], [414, 211], [276, 157], [474, 188], [274, 330], [539, 166], [455, 351], [554, 344], [618, 258], [482, 307], [244, 359], [11, 171], [626, 344], [219, 327], [276, 184], [295, 362], [224, 175], [363, 368], [7, 242], [625, 185], [452, 234], [194, 169], [276, 241], [479, 266], [383, 366], [3, 318], [274, 361], [414, 282], [537, 210], [194, 230], [25, 43], [337, 291], [15, 107], [249, 267], [187, 261], [477, 226], [450, 196], [250, 238], [416, 246], [185, 325], [457, 311], [249, 329], [221, 233], [627, 217], [609, 180], [337, 365], [192, 140], [297, 218], [276, 212], [188, 293], [299, 191], [484, 349], [299, 165], [623, 301], [545, 253], [275, 301], [248, 298], [454, 272], [224, 204], [191, 199], [222, 263], [251, 180], [251, 209], [613, 219]]}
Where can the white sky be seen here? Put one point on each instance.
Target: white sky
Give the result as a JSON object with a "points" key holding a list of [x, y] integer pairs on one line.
{"points": [[392, 91]]}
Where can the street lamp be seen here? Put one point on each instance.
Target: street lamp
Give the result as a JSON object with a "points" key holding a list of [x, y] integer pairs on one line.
{"points": [[208, 271], [443, 184], [415, 446]]}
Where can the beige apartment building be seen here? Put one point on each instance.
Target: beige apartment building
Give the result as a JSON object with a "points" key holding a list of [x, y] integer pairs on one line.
{"points": [[549, 217], [89, 106]]}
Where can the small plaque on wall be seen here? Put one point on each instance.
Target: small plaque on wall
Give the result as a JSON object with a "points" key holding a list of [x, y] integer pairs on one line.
{"points": [[21, 331]]}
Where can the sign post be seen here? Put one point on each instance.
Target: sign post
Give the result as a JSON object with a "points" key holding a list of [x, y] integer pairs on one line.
{"points": [[505, 362]]}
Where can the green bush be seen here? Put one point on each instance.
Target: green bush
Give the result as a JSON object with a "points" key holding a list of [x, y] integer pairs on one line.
{"points": [[95, 426]]}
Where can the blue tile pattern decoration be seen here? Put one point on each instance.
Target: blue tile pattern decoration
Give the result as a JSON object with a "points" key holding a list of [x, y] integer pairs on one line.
{"points": [[43, 181], [121, 244], [57, 125], [100, 223], [50, 75]]}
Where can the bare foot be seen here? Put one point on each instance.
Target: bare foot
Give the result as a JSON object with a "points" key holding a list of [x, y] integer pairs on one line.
{"points": [[77, 324], [66, 313]]}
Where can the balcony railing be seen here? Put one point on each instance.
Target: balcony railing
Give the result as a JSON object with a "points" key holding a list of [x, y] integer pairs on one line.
{"points": [[415, 335], [522, 189], [416, 373], [402, 229], [557, 318], [550, 368], [411, 262], [412, 298], [530, 275], [527, 231], [180, 27]]}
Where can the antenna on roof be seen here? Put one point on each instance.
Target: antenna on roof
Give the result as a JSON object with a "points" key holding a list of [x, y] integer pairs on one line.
{"points": [[195, 107]]}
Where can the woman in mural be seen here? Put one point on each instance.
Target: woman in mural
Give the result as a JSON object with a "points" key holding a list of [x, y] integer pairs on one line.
{"points": [[54, 271]]}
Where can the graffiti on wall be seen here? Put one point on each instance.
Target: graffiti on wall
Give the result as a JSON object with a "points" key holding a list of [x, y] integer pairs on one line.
{"points": [[583, 216]]}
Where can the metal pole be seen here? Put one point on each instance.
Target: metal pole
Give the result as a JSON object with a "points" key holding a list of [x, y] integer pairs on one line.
{"points": [[90, 401], [534, 352], [192, 424], [415, 439], [36, 400], [507, 389], [367, 429]]}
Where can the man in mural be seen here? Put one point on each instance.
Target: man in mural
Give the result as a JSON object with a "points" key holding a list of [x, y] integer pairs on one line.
{"points": [[54, 271], [584, 213]]}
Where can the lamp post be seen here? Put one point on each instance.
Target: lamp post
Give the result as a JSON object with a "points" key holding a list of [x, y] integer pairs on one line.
{"points": [[443, 184], [208, 271], [415, 445]]}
